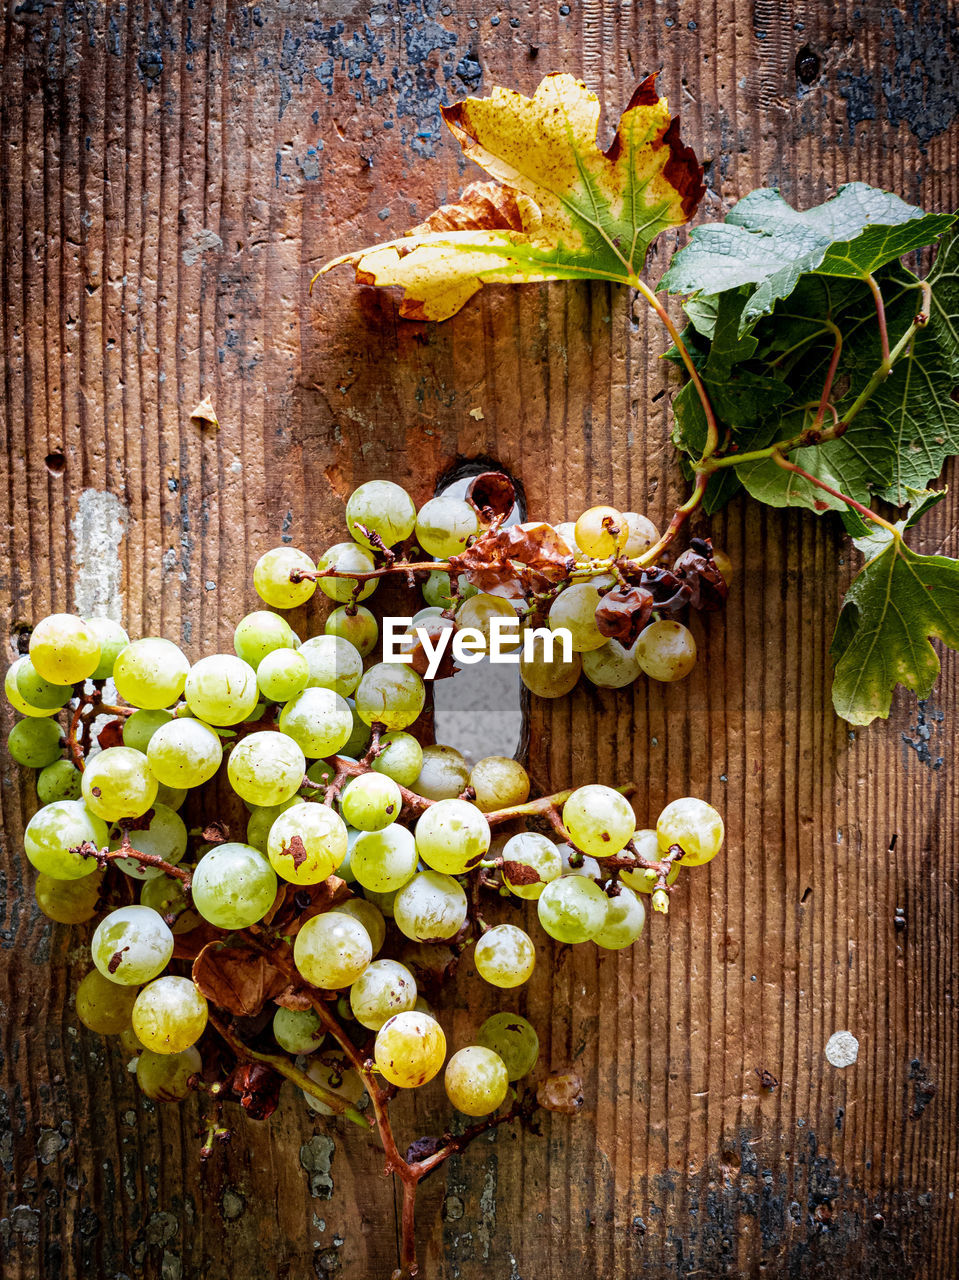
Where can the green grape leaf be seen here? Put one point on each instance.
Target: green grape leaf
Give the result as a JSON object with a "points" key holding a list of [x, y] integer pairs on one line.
{"points": [[944, 311], [766, 243], [898, 602], [856, 463], [559, 208], [739, 396]]}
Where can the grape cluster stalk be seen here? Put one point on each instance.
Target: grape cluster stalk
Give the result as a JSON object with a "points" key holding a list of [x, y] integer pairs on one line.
{"points": [[315, 946]]}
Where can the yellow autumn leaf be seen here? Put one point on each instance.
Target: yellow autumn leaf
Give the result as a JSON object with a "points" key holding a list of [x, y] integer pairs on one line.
{"points": [[560, 208]]}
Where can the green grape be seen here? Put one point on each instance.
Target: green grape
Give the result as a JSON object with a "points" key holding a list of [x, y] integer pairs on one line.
{"points": [[113, 640], [318, 720], [642, 535], [369, 916], [260, 633], [383, 989], [261, 821], [345, 557], [169, 1015], [233, 886], [514, 1039], [438, 591], [40, 693], [476, 1080], [612, 666], [151, 673], [267, 767], [104, 1006], [332, 950], [505, 956], [400, 758], [695, 826], [444, 526], [725, 566], [68, 901], [139, 728], [384, 860], [666, 651], [184, 753], [430, 906], [371, 802], [345, 871], [575, 610], [334, 664], [567, 531], [572, 909], [358, 741], [14, 696], [34, 743], [409, 1049], [307, 843], [297, 1030], [55, 830], [132, 945], [599, 820], [527, 855], [338, 1078], [479, 613], [165, 1077], [549, 678], [452, 836], [641, 881], [58, 781], [64, 649], [172, 797], [382, 901], [601, 532], [322, 772], [117, 783], [391, 694], [359, 628], [383, 508], [221, 689], [271, 578], [499, 782], [444, 773], [282, 674], [584, 866], [130, 1046], [166, 837], [168, 897], [625, 917]]}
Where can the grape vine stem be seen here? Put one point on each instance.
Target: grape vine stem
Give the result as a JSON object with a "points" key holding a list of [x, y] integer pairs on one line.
{"points": [[410, 1172]]}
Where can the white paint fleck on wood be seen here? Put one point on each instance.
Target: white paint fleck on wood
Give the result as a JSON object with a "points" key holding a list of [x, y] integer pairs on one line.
{"points": [[98, 529], [842, 1049]]}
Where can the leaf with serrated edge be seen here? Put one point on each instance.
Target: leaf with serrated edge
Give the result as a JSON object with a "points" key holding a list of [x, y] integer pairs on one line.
{"points": [[766, 243], [573, 211], [898, 602]]}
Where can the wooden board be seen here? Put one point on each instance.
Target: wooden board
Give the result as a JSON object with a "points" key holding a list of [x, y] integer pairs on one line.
{"points": [[170, 176]]}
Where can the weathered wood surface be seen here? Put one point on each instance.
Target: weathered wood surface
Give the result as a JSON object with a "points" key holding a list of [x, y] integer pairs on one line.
{"points": [[170, 177]]}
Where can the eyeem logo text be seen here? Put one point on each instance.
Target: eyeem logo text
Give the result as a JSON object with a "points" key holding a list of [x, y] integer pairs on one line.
{"points": [[469, 645]]}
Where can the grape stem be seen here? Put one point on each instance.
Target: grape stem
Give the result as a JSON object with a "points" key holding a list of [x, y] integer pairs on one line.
{"points": [[410, 1172], [103, 856], [286, 1068]]}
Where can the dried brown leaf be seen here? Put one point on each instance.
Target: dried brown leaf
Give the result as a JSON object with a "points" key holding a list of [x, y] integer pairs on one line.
{"points": [[237, 979], [623, 612], [515, 562]]}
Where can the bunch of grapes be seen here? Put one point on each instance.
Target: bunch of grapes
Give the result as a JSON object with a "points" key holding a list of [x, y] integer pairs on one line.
{"points": [[363, 852], [602, 578]]}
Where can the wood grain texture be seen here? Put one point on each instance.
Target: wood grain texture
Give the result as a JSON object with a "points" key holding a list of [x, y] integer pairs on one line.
{"points": [[170, 177]]}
